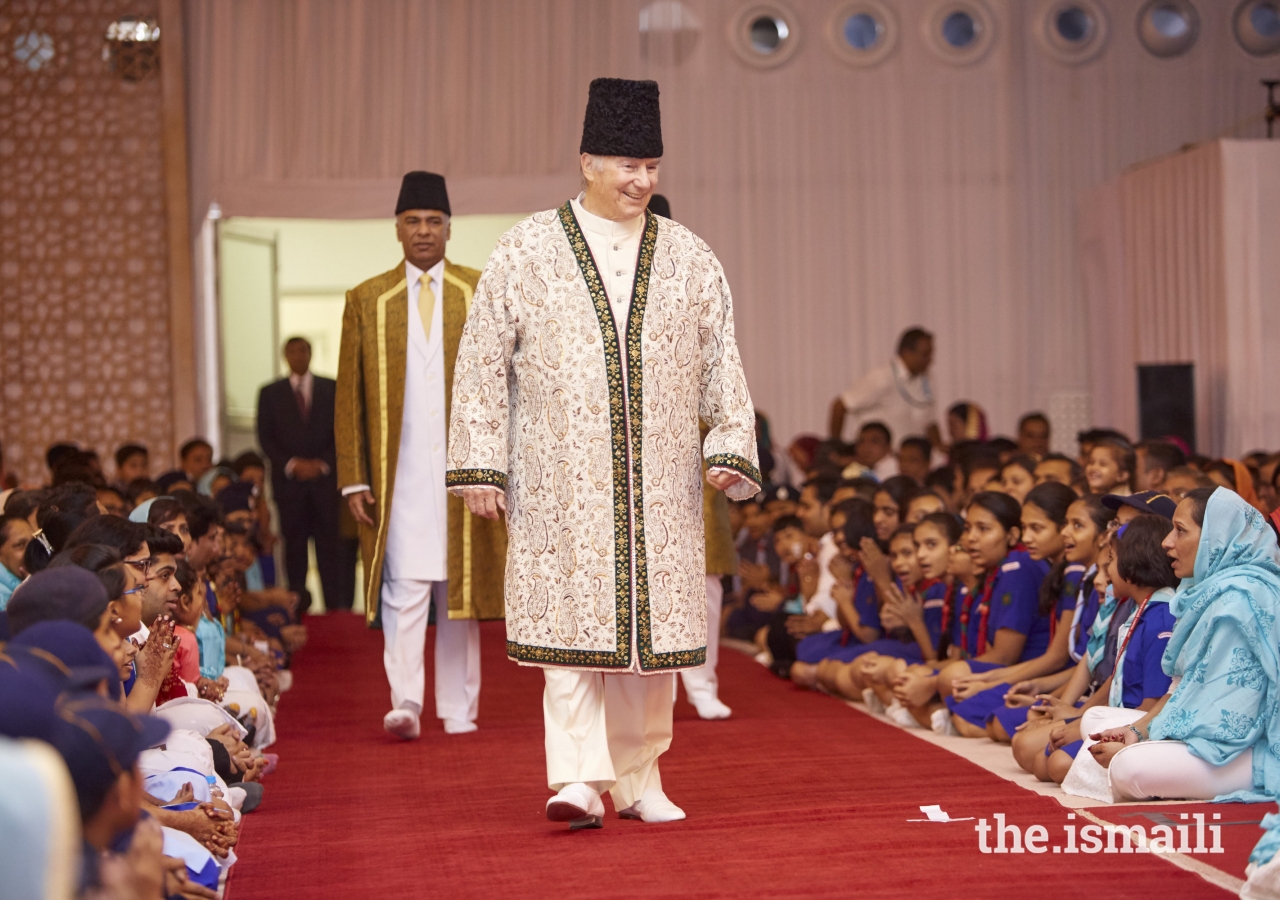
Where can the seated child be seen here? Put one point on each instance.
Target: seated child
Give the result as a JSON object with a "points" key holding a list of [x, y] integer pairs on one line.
{"points": [[1140, 572], [977, 697], [1002, 624], [855, 596]]}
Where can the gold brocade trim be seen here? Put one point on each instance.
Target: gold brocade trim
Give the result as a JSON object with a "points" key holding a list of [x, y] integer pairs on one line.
{"points": [[468, 292], [475, 478], [373, 605], [626, 415], [649, 658], [737, 463], [621, 655]]}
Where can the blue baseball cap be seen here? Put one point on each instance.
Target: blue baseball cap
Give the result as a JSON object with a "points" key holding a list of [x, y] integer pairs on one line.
{"points": [[27, 702], [68, 653], [100, 741], [61, 593], [1151, 502]]}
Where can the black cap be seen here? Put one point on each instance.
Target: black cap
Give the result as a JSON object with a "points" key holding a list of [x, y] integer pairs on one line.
{"points": [[423, 190], [622, 119], [659, 206], [100, 741], [1151, 502]]}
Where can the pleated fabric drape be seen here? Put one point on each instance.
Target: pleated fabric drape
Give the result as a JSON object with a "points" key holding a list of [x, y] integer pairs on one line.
{"points": [[1183, 263], [846, 203]]}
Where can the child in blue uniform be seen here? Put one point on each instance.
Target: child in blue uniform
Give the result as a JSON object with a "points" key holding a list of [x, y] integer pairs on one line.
{"points": [[856, 604], [1140, 572], [999, 624], [911, 614], [976, 698], [1084, 534]]}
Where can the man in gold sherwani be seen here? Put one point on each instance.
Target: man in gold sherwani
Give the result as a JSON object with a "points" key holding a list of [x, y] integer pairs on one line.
{"points": [[421, 548], [599, 335]]}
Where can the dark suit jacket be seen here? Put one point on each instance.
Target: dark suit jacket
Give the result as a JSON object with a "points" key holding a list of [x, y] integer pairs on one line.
{"points": [[283, 435]]}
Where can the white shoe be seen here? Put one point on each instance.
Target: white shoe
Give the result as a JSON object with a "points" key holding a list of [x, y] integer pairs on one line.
{"points": [[764, 657], [1263, 881], [403, 723], [900, 715], [711, 708], [941, 722], [284, 678], [873, 701], [577, 804], [653, 807], [458, 726]]}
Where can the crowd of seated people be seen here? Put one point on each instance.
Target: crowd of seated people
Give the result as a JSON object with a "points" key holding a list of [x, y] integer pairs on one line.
{"points": [[1113, 616], [144, 648]]}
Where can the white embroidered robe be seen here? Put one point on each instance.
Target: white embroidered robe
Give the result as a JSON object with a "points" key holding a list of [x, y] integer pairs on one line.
{"points": [[600, 460]]}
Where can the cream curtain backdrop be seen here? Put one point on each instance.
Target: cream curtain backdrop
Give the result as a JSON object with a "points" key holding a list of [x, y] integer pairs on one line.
{"points": [[1183, 256], [845, 203]]}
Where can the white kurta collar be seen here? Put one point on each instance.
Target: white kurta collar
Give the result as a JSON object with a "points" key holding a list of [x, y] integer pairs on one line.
{"points": [[605, 227]]}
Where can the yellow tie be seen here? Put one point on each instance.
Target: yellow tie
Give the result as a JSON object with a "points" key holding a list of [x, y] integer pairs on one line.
{"points": [[426, 304]]}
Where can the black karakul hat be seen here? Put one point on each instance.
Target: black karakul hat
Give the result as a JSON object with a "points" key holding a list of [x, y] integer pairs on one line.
{"points": [[658, 205], [622, 119], [423, 190]]}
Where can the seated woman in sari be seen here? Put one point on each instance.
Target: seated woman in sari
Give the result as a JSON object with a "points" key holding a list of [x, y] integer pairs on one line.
{"points": [[1216, 734]]}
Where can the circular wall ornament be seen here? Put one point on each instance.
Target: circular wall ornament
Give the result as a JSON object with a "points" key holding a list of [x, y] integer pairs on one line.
{"points": [[1256, 24], [1072, 31], [960, 31], [1168, 28], [765, 35], [862, 32]]}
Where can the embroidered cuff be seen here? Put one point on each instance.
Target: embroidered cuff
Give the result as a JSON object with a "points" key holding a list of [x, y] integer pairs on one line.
{"points": [[740, 465], [458, 478]]}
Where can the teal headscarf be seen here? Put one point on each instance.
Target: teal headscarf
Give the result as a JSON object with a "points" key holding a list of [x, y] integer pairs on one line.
{"points": [[1226, 649]]}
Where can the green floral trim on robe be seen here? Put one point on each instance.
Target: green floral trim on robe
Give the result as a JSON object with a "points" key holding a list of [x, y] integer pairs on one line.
{"points": [[620, 658]]}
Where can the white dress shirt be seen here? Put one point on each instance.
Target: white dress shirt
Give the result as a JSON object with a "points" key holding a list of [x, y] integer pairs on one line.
{"points": [[615, 247], [892, 395]]}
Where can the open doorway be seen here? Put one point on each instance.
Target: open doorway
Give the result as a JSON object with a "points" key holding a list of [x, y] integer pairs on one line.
{"points": [[281, 278]]}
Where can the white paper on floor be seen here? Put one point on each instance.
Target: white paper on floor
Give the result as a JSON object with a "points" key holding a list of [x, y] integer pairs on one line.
{"points": [[936, 814]]}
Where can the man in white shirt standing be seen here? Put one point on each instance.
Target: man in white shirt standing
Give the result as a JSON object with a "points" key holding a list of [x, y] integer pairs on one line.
{"points": [[421, 548], [897, 394]]}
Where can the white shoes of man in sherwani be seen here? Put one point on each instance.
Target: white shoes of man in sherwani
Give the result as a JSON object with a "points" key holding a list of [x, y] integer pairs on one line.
{"points": [[403, 723], [581, 806], [578, 804], [653, 807]]}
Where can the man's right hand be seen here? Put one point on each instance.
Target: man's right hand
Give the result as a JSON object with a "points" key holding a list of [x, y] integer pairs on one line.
{"points": [[485, 502], [358, 501]]}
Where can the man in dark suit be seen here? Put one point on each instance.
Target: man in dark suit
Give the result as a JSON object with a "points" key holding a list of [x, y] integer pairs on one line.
{"points": [[295, 430]]}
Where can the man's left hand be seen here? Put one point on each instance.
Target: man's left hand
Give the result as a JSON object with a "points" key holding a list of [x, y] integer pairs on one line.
{"points": [[723, 479]]}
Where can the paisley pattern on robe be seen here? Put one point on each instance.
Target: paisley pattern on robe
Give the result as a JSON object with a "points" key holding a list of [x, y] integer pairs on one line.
{"points": [[602, 463]]}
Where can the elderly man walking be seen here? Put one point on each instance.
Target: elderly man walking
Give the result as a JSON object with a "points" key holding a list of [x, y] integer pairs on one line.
{"points": [[599, 335]]}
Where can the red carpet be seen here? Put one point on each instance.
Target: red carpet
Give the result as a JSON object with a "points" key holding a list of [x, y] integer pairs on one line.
{"points": [[796, 795]]}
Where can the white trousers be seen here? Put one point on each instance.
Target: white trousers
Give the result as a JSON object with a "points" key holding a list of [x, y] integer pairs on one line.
{"points": [[607, 731], [701, 683], [1167, 770], [405, 609]]}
